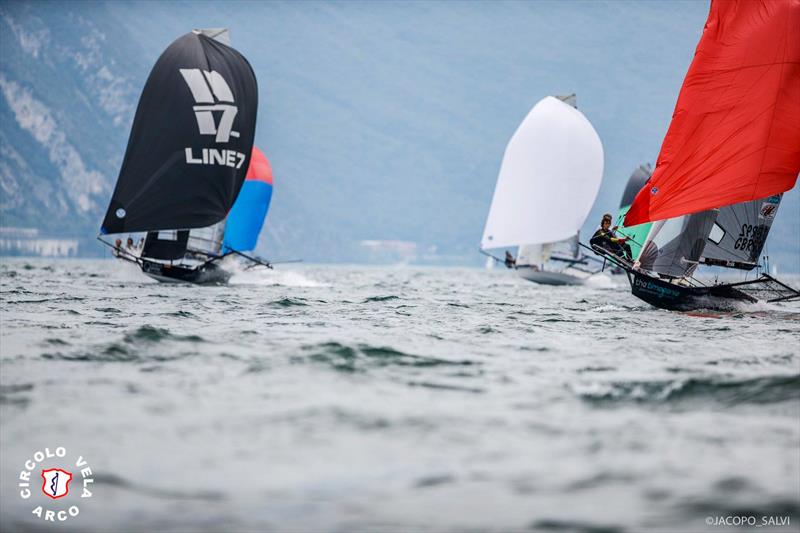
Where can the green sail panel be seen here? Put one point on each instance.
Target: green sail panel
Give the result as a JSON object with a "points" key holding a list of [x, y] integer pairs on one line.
{"points": [[637, 234]]}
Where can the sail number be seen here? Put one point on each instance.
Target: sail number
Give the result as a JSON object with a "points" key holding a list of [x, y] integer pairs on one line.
{"points": [[751, 238]]}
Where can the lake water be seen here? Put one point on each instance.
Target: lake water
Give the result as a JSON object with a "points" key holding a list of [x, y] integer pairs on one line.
{"points": [[317, 398]]}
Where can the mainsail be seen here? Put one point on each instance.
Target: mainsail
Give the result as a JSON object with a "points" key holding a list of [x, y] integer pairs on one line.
{"points": [[190, 142], [637, 233], [549, 178], [247, 215], [740, 232], [538, 254], [673, 247], [735, 132]]}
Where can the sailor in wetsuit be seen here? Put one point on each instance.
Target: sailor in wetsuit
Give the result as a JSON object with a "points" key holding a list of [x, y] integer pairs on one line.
{"points": [[510, 262], [606, 238]]}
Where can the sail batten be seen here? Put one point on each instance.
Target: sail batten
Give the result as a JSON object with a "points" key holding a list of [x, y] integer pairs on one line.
{"points": [[735, 132]]}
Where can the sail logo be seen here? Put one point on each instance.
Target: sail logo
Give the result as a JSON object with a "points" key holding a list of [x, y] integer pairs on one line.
{"points": [[768, 210], [215, 111], [56, 502], [213, 95], [769, 207], [55, 482]]}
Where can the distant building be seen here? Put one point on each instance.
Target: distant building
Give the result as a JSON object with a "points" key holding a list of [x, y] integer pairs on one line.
{"points": [[28, 242], [390, 251]]}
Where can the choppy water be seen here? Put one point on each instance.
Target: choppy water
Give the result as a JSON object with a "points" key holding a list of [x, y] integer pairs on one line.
{"points": [[369, 399]]}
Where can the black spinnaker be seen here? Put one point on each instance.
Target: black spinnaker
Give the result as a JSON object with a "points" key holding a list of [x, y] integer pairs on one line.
{"points": [[191, 140]]}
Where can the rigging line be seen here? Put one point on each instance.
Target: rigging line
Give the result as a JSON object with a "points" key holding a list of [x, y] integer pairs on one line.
{"points": [[484, 252], [121, 253]]}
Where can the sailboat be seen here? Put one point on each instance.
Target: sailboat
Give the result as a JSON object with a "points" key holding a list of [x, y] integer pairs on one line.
{"points": [[247, 215], [732, 149], [187, 157], [548, 181]]}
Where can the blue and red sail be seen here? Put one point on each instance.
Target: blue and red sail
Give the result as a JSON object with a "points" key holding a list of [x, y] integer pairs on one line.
{"points": [[246, 217]]}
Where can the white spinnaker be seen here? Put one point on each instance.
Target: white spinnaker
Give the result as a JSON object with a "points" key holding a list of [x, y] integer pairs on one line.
{"points": [[549, 178]]}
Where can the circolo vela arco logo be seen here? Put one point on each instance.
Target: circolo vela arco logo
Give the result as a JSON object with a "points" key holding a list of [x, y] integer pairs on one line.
{"points": [[55, 485]]}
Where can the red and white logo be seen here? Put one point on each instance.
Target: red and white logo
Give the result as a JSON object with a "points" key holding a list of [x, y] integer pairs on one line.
{"points": [[56, 503], [56, 482]]}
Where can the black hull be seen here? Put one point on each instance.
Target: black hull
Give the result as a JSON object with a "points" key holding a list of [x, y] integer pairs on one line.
{"points": [[207, 274], [660, 293], [677, 297]]}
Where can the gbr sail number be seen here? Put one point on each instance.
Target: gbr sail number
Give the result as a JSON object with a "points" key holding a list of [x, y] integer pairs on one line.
{"points": [[212, 156], [750, 237]]}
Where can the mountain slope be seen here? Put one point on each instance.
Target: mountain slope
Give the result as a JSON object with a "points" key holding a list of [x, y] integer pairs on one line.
{"points": [[382, 120]]}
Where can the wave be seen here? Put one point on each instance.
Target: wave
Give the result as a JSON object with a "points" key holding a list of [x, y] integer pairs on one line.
{"points": [[266, 277], [573, 526], [600, 281], [288, 302], [381, 298], [760, 390], [113, 480], [135, 346], [14, 394], [361, 357]]}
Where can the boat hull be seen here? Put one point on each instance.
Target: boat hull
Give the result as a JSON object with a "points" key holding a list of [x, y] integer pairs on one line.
{"points": [[207, 274], [545, 277], [665, 295]]}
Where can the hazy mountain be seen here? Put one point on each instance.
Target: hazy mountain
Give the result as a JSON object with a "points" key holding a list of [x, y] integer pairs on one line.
{"points": [[381, 120]]}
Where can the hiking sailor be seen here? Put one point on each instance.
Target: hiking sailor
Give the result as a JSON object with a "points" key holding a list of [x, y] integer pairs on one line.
{"points": [[509, 261], [606, 238]]}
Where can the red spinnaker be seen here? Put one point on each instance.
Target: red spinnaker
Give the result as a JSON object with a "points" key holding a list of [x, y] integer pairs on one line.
{"points": [[735, 132], [259, 169]]}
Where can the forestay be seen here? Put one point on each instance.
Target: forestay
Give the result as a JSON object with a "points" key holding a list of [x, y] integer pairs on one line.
{"points": [[549, 178]]}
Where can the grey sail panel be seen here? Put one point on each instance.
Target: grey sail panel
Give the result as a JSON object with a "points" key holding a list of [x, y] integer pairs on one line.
{"points": [[208, 240], [567, 249], [739, 233], [635, 184], [674, 246]]}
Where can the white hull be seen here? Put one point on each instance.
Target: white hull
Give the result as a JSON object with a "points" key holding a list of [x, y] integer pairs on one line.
{"points": [[568, 276]]}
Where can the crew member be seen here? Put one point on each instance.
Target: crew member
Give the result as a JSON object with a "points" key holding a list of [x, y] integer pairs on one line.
{"points": [[510, 261], [606, 238]]}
